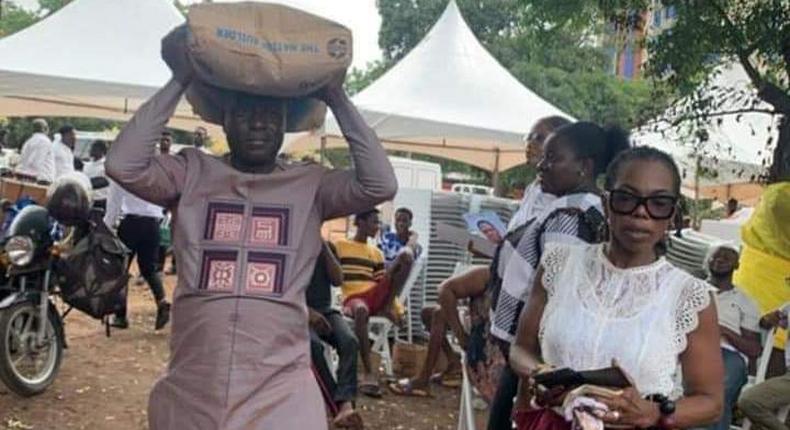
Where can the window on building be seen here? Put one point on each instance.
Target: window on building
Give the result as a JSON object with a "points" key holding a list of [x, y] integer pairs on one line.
{"points": [[657, 18], [670, 12]]}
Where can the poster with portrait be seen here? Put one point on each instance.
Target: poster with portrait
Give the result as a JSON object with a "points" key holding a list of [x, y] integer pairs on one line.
{"points": [[486, 224]]}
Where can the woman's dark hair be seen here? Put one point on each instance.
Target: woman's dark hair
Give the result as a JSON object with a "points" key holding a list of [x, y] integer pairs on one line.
{"points": [[554, 122], [642, 153], [647, 153], [590, 140]]}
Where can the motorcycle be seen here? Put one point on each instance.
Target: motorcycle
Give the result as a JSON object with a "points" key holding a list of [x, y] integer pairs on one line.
{"points": [[32, 335]]}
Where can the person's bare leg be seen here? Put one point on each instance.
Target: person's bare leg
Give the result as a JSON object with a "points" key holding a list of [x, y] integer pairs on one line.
{"points": [[471, 283], [399, 273], [437, 328], [361, 315]]}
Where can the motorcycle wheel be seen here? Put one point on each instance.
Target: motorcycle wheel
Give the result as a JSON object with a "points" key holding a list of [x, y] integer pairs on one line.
{"points": [[26, 367]]}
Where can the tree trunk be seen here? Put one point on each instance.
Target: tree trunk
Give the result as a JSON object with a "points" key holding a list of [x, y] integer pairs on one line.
{"points": [[780, 168]]}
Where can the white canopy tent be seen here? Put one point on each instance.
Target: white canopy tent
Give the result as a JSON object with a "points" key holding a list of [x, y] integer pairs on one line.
{"points": [[736, 147], [93, 58], [448, 98]]}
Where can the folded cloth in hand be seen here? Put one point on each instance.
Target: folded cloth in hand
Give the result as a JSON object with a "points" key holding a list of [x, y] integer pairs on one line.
{"points": [[584, 413]]}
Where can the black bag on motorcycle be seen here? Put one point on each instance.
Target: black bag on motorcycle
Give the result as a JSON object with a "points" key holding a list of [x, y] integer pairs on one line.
{"points": [[94, 274]]}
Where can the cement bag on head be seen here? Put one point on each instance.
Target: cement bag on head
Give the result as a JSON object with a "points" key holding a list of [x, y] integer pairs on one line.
{"points": [[266, 49], [210, 102]]}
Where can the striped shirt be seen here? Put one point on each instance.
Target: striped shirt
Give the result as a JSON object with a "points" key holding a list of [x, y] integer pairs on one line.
{"points": [[363, 266], [574, 219]]}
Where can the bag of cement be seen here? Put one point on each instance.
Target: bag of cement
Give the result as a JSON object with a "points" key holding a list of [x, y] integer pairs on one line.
{"points": [[210, 102], [266, 49]]}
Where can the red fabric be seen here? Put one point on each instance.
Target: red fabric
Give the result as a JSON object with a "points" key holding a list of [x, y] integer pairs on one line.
{"points": [[375, 299], [539, 419]]}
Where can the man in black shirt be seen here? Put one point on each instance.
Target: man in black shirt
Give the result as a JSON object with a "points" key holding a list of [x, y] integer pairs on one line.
{"points": [[328, 325]]}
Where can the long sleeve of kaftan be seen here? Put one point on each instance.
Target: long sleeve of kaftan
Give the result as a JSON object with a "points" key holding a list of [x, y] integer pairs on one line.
{"points": [[133, 161], [372, 181]]}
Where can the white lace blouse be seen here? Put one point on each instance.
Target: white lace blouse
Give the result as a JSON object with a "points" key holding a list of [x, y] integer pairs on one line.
{"points": [[641, 316]]}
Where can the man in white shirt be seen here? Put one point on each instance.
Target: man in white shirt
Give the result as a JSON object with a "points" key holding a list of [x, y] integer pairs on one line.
{"points": [[739, 323], [64, 156], [138, 228], [38, 154], [95, 169]]}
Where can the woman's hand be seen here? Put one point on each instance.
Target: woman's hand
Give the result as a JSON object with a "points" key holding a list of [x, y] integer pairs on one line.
{"points": [[774, 319], [319, 323], [630, 409]]}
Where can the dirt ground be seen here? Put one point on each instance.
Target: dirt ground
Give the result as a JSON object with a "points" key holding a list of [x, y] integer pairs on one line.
{"points": [[104, 383]]}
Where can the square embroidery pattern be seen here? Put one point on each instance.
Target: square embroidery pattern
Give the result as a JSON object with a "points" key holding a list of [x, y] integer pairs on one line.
{"points": [[265, 273], [218, 271], [224, 222], [269, 226]]}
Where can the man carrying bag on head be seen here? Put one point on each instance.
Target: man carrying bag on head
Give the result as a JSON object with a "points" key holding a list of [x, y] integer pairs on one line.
{"points": [[246, 233]]}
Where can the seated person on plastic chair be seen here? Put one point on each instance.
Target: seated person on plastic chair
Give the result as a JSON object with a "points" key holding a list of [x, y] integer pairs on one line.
{"points": [[762, 402], [471, 284], [328, 325], [402, 241], [437, 319], [738, 323], [369, 289]]}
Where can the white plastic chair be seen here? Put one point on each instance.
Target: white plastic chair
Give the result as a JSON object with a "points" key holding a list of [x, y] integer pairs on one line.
{"points": [[379, 328], [466, 413]]}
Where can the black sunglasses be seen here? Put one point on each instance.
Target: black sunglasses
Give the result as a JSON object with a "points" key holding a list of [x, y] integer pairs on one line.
{"points": [[658, 207]]}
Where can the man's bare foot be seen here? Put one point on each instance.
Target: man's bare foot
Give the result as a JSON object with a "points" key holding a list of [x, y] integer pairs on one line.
{"points": [[348, 418], [411, 388]]}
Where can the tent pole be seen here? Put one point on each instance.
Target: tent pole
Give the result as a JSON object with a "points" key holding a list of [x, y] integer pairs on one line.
{"points": [[495, 174], [323, 149], [695, 216]]}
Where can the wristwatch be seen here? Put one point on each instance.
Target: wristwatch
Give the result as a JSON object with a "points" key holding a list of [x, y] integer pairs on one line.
{"points": [[666, 407]]}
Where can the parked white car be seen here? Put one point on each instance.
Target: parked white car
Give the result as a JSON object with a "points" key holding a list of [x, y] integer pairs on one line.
{"points": [[472, 189]]}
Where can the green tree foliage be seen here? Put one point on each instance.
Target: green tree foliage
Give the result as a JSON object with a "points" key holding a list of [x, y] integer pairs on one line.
{"points": [[48, 7], [14, 18], [752, 33]]}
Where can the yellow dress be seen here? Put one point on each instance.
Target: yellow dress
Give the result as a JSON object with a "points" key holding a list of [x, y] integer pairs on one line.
{"points": [[764, 273]]}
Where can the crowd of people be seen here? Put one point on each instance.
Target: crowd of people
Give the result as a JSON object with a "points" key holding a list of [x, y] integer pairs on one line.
{"points": [[137, 222], [578, 283]]}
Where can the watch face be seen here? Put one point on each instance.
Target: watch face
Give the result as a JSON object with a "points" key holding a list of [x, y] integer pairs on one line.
{"points": [[667, 407]]}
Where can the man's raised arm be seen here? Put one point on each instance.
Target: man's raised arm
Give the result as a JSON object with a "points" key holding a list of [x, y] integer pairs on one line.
{"points": [[372, 181], [133, 161]]}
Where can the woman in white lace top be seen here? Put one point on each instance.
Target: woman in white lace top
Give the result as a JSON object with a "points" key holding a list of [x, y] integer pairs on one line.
{"points": [[622, 302]]}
